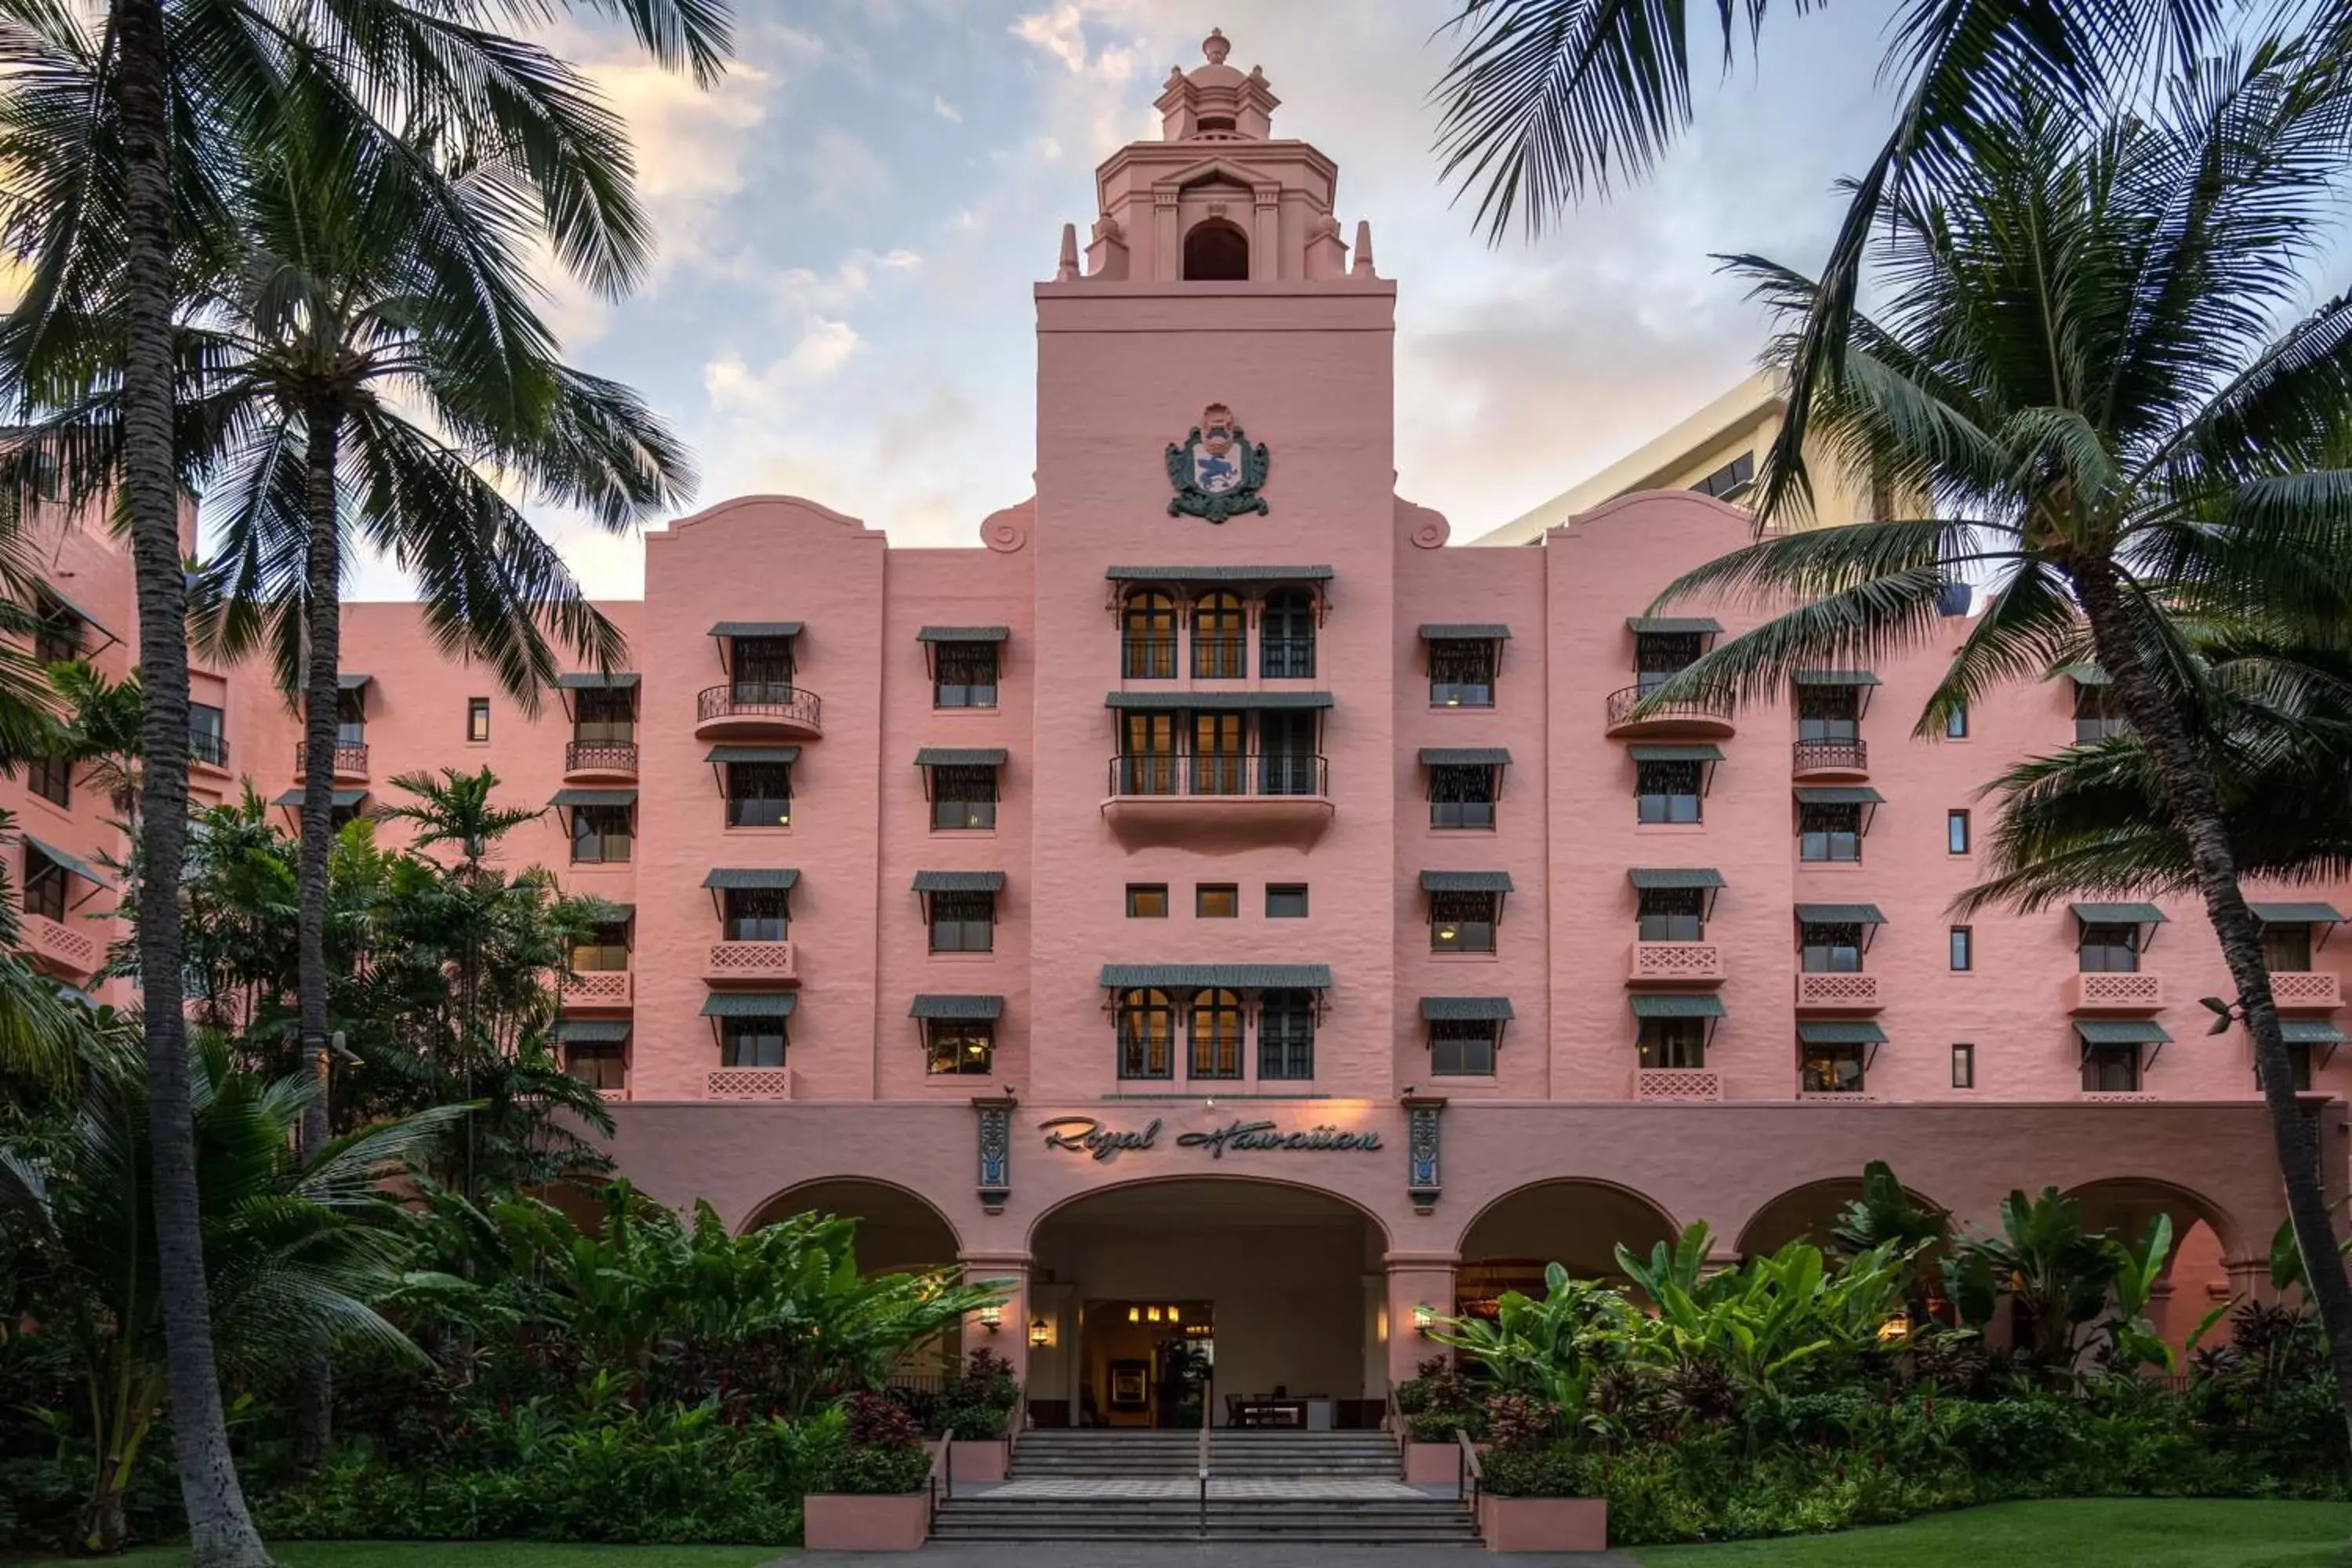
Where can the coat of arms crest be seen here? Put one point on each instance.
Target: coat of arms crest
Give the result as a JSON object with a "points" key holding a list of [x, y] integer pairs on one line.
{"points": [[1216, 471]]}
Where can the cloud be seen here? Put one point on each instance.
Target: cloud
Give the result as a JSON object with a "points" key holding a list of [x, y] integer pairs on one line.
{"points": [[851, 280], [1060, 32], [946, 111], [734, 387]]}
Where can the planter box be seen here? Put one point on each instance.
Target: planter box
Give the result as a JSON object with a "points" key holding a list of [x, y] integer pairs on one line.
{"points": [[1544, 1524], [839, 1522], [1434, 1464], [979, 1460]]}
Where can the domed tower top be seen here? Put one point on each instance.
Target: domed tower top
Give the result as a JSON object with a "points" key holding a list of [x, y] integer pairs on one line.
{"points": [[1215, 102]]}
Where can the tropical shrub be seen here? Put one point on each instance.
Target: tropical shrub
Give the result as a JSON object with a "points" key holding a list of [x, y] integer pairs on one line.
{"points": [[882, 1451], [978, 1401]]}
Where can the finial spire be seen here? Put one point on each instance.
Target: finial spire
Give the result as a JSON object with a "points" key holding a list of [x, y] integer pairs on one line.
{"points": [[1066, 269], [1214, 48], [1363, 266]]}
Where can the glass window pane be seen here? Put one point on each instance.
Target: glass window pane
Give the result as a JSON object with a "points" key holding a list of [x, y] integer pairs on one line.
{"points": [[1147, 901]]}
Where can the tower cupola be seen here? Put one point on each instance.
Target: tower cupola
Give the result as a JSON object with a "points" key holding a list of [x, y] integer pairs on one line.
{"points": [[1215, 102]]}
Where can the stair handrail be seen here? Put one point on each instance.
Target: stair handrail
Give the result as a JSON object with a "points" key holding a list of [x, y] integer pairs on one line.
{"points": [[1208, 1408], [1469, 1477], [1392, 1423], [942, 1478]]}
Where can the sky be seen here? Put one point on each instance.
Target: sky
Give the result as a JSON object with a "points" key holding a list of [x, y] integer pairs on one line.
{"points": [[851, 221]]}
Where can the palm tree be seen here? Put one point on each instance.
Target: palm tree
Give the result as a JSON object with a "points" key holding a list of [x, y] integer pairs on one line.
{"points": [[457, 809], [114, 147], [2079, 366], [98, 728]]}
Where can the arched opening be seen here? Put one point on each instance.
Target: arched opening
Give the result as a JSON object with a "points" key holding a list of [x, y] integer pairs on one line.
{"points": [[1216, 251], [1266, 1296], [1808, 1214], [1578, 1225], [1148, 637], [1219, 646], [2195, 1279], [897, 1231]]}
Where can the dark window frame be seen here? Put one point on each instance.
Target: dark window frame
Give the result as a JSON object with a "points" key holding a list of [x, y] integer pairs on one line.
{"points": [[1671, 1044], [46, 892], [1286, 1037], [962, 921], [1204, 892], [1139, 894], [1830, 947], [752, 794], [1961, 950], [604, 716], [755, 914], [1286, 636], [1214, 1036], [1463, 671], [963, 798], [1959, 832], [1669, 791], [1670, 914], [1830, 827], [1284, 893], [1819, 1068], [1465, 1047], [2113, 1070], [749, 1041], [2116, 951], [51, 778], [1963, 1065], [1146, 1035], [610, 829], [1463, 796], [478, 720], [947, 1047], [1471, 917], [965, 675], [608, 1059]]}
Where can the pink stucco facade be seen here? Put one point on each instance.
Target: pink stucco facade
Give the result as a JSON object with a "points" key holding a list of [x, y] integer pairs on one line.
{"points": [[1307, 761]]}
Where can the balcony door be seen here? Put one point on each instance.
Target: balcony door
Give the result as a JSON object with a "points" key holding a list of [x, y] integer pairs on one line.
{"points": [[1287, 742], [763, 669], [1148, 753], [1220, 745]]}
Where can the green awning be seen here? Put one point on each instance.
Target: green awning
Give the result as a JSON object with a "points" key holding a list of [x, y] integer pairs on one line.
{"points": [[752, 754], [74, 863], [1832, 1032], [1466, 882], [1219, 976], [583, 680], [1676, 1005], [959, 757], [756, 629], [1840, 915], [2297, 914], [967, 1008], [963, 634], [1674, 625], [959, 881], [620, 912], [1836, 677], [352, 682], [1217, 573], [49, 590], [344, 799], [592, 1031], [1662, 877], [1462, 1009], [751, 877], [1466, 756], [2310, 1032], [1676, 754], [1215, 701], [748, 1004], [2121, 1032], [594, 798], [2118, 914], [1838, 794], [1466, 631]]}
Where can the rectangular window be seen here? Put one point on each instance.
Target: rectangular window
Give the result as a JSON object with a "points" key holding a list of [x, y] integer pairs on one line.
{"points": [[1963, 949], [753, 1042], [1461, 922], [601, 1064], [1671, 1043], [963, 798], [1285, 901], [1964, 1067], [600, 835], [1658, 656], [960, 1045], [350, 716], [963, 922], [2111, 1069], [2286, 948], [1832, 948], [1462, 1048], [2108, 949], [1462, 674], [1147, 901], [58, 635], [1286, 1035], [1956, 832], [758, 794], [1672, 914], [1216, 901], [607, 948], [760, 669], [1831, 1069], [1829, 833], [602, 716], [51, 778], [1730, 481], [2096, 717], [758, 914], [208, 734], [1956, 723], [44, 886], [1461, 796], [1666, 792], [1829, 713], [478, 720], [963, 675]]}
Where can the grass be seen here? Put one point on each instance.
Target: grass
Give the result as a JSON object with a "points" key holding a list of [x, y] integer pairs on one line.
{"points": [[2109, 1532], [456, 1554]]}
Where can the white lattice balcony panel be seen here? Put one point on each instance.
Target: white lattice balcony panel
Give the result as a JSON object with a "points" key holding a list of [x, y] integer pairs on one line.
{"points": [[1838, 991], [748, 1083], [598, 988], [2117, 1097], [60, 946], [2114, 990], [1675, 963], [1688, 1084], [748, 963]]}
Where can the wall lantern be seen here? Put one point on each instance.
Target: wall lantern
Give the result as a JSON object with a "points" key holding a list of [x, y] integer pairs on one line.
{"points": [[1134, 1314], [1151, 1314], [1174, 1316], [991, 1318], [1895, 1328], [1041, 1334], [1424, 1318]]}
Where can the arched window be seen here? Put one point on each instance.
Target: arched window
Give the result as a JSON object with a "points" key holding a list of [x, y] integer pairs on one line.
{"points": [[1147, 1032], [1220, 638], [1148, 637], [1216, 1025], [1285, 636], [1216, 251], [1286, 1035]]}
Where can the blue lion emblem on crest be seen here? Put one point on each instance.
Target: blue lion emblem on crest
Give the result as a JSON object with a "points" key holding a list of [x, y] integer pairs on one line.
{"points": [[1215, 471]]}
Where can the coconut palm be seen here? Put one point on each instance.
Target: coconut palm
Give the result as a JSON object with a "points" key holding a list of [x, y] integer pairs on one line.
{"points": [[98, 728], [2079, 366]]}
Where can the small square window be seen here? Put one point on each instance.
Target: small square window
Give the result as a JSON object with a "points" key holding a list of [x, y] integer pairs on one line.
{"points": [[1964, 1067], [960, 1047], [963, 675], [1463, 1048], [963, 922], [963, 799], [1666, 792], [478, 720], [1956, 723], [1964, 948], [1461, 922], [1147, 901], [1956, 832], [1285, 901], [1216, 901]]}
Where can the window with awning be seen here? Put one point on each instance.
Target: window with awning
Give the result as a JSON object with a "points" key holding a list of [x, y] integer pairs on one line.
{"points": [[1674, 903], [753, 903], [602, 823], [1465, 907], [961, 783], [2110, 938], [1465, 784], [1465, 659], [958, 1033], [1670, 782], [2292, 933], [756, 782], [1672, 1029], [751, 1028], [2117, 1053], [1466, 1033], [1832, 820], [965, 663], [959, 907], [1834, 1057], [1831, 937]]}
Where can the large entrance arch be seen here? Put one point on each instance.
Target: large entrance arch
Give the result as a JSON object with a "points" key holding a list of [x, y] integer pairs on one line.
{"points": [[2204, 1243], [897, 1231], [1268, 1294], [1576, 1223]]}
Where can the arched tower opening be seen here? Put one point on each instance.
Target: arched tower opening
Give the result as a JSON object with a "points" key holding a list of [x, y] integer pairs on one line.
{"points": [[1216, 251]]}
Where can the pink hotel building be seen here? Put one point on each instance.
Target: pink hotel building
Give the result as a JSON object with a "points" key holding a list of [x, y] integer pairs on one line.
{"points": [[1226, 914]]}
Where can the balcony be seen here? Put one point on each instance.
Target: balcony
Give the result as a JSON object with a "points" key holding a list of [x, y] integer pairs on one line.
{"points": [[748, 1083], [597, 988], [585, 761], [755, 709], [1836, 1097], [1838, 991], [208, 748], [752, 963], [2306, 990], [1674, 963], [350, 760], [2117, 1097], [1827, 759], [2114, 990], [1688, 1084], [1710, 719], [1224, 799], [59, 946]]}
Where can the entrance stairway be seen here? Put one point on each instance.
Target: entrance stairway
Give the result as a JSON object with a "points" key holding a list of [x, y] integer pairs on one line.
{"points": [[1334, 1487]]}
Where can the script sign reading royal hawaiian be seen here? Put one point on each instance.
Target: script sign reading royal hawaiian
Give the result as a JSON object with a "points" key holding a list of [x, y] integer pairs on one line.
{"points": [[1085, 1135]]}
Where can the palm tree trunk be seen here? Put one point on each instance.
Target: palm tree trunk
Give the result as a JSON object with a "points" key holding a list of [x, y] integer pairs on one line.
{"points": [[220, 1531], [2196, 807], [322, 724]]}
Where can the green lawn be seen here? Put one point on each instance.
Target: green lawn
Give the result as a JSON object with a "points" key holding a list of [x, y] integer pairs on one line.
{"points": [[2101, 1534], [436, 1553]]}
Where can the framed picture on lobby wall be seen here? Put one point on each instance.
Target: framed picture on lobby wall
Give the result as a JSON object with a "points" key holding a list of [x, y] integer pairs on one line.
{"points": [[1130, 1384]]}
